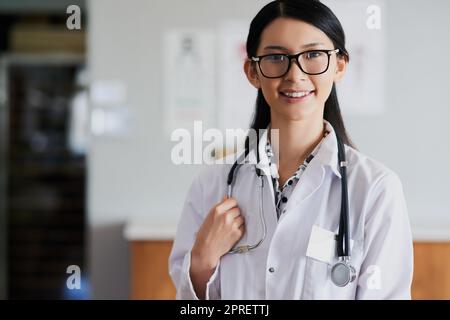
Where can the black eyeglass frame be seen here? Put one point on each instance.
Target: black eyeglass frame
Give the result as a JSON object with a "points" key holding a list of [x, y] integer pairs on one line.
{"points": [[292, 56]]}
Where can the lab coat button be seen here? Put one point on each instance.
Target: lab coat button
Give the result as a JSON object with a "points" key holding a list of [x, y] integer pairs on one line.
{"points": [[271, 270]]}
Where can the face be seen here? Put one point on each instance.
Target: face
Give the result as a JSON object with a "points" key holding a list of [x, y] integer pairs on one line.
{"points": [[290, 36]]}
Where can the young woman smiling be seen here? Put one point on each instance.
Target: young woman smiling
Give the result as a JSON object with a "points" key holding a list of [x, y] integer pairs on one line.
{"points": [[308, 241]]}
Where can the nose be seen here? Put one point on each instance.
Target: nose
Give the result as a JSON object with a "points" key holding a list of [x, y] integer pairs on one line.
{"points": [[295, 73]]}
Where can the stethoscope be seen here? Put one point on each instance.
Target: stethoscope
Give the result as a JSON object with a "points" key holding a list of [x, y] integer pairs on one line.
{"points": [[342, 272]]}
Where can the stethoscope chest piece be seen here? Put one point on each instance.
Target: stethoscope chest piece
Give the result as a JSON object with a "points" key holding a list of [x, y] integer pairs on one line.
{"points": [[342, 273]]}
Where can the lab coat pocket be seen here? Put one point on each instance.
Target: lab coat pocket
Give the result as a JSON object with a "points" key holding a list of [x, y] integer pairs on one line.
{"points": [[321, 255]]}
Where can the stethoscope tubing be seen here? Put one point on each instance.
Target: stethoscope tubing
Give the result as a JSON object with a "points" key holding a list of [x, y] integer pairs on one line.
{"points": [[343, 247]]}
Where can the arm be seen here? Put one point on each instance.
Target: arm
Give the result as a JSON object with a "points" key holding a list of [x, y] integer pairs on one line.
{"points": [[201, 272], [201, 242], [193, 279], [387, 268]]}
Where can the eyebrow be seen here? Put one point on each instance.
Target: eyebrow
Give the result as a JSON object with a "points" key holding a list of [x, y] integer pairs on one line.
{"points": [[309, 45]]}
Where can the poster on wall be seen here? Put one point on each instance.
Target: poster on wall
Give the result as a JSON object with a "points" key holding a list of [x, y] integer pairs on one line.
{"points": [[188, 90], [363, 89]]}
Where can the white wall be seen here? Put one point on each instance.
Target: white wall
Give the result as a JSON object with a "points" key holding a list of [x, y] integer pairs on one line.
{"points": [[134, 176], [412, 136]]}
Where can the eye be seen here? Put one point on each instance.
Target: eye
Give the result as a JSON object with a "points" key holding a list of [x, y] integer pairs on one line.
{"points": [[275, 58], [313, 54]]}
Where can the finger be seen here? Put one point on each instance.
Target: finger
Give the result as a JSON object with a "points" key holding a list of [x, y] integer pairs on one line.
{"points": [[242, 228], [233, 213], [239, 221], [227, 204]]}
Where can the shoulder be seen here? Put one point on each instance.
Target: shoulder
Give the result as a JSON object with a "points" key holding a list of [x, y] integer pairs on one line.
{"points": [[369, 171], [379, 188], [217, 172], [211, 182], [211, 175]]}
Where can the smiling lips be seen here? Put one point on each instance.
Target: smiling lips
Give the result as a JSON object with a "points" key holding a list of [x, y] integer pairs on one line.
{"points": [[296, 94]]}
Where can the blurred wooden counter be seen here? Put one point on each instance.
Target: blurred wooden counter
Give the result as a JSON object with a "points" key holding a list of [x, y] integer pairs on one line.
{"points": [[151, 246], [149, 270], [431, 270], [150, 278]]}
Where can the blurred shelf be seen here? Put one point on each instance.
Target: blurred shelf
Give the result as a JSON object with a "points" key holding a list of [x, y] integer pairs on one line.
{"points": [[45, 181]]}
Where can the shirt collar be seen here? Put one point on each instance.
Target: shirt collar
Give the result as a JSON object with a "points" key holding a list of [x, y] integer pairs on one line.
{"points": [[327, 155], [328, 152]]}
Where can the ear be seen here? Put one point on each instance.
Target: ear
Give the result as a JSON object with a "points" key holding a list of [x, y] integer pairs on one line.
{"points": [[341, 68], [251, 72]]}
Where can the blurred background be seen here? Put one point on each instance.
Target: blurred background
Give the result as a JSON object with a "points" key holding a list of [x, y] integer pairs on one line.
{"points": [[92, 91]]}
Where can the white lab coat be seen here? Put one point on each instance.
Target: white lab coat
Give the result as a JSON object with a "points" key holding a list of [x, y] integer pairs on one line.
{"points": [[382, 251]]}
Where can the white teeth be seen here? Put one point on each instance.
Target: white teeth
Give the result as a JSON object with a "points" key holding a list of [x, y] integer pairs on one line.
{"points": [[296, 94]]}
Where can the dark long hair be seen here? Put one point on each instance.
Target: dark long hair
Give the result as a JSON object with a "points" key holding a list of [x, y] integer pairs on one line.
{"points": [[318, 15]]}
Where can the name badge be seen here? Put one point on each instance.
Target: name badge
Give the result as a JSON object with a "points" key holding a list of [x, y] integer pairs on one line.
{"points": [[322, 245]]}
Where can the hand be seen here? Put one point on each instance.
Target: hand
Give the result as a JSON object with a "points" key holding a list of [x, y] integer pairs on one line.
{"points": [[222, 228]]}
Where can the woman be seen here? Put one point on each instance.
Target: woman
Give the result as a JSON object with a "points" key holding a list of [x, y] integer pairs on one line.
{"points": [[296, 54]]}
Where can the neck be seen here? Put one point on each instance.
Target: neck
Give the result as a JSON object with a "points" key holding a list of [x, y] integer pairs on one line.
{"points": [[297, 139]]}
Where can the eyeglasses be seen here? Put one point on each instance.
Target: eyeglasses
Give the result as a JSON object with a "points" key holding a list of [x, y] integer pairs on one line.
{"points": [[312, 62]]}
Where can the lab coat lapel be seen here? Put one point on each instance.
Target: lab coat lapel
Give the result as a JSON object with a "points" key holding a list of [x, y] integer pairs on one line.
{"points": [[328, 152], [311, 180], [263, 163], [314, 175]]}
